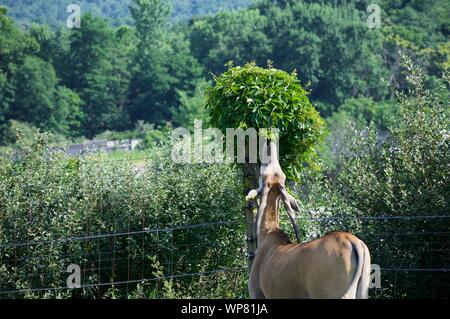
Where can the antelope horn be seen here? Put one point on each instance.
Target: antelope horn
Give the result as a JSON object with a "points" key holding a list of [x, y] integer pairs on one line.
{"points": [[291, 206], [261, 209]]}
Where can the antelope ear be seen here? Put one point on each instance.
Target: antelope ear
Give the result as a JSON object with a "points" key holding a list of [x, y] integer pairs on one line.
{"points": [[252, 194]]}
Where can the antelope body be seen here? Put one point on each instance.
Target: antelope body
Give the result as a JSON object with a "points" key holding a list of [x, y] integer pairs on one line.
{"points": [[332, 267]]}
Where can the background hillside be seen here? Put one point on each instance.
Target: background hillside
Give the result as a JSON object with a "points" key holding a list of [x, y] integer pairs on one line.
{"points": [[53, 12], [150, 74]]}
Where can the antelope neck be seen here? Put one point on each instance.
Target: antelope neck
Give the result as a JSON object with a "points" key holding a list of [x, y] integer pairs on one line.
{"points": [[270, 215]]}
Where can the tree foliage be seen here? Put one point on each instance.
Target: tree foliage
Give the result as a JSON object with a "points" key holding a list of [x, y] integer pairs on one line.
{"points": [[409, 172], [402, 173], [129, 73], [54, 12], [253, 97]]}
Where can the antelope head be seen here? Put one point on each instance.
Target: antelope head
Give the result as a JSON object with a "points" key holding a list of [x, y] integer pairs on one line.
{"points": [[271, 190]]}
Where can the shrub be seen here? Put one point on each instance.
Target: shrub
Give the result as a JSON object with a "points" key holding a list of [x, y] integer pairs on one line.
{"points": [[48, 196], [253, 97], [403, 174]]}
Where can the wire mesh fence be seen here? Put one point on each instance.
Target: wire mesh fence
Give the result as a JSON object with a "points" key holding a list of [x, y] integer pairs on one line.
{"points": [[126, 230], [412, 252], [113, 260], [123, 230]]}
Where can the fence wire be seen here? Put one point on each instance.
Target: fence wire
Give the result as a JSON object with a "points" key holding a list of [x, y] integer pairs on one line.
{"points": [[110, 260]]}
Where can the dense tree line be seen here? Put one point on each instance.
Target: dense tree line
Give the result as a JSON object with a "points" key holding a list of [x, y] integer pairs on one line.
{"points": [[109, 76], [54, 13]]}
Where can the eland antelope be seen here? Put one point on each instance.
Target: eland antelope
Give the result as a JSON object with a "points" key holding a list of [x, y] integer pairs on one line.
{"points": [[332, 267]]}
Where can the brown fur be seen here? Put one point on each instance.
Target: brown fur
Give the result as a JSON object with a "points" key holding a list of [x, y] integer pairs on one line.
{"points": [[334, 266]]}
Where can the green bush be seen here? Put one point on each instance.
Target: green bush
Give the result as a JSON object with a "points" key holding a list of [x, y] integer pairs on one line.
{"points": [[21, 130], [407, 172], [46, 195], [404, 173], [253, 97]]}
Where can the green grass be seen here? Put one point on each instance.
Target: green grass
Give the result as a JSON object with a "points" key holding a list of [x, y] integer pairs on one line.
{"points": [[137, 156]]}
